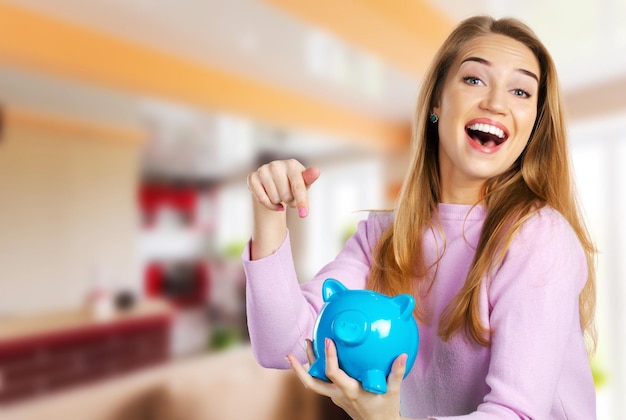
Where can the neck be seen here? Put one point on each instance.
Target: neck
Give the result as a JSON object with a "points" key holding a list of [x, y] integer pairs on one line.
{"points": [[460, 194]]}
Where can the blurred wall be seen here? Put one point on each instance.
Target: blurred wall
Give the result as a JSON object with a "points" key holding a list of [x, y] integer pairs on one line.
{"points": [[68, 214], [598, 148]]}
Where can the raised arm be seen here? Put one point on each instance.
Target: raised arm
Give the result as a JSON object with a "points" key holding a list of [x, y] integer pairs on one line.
{"points": [[281, 310], [276, 308]]}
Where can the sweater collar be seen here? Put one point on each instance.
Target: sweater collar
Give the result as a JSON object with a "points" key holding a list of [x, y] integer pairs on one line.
{"points": [[461, 211]]}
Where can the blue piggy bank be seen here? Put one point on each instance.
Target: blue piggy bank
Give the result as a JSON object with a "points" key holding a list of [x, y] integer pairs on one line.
{"points": [[370, 331]]}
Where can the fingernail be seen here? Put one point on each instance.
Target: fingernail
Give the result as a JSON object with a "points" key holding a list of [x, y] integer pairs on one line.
{"points": [[403, 359], [302, 212], [288, 360], [281, 207], [327, 342]]}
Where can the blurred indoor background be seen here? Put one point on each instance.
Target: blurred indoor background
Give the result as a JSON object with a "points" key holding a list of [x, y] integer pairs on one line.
{"points": [[129, 127]]}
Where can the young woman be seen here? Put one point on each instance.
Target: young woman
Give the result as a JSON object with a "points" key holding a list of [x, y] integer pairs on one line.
{"points": [[486, 235]]}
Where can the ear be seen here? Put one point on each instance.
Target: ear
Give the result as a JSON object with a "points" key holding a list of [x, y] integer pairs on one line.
{"points": [[330, 287], [436, 107], [406, 303]]}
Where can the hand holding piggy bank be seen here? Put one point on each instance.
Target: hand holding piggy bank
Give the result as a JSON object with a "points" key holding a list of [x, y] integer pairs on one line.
{"points": [[370, 331]]}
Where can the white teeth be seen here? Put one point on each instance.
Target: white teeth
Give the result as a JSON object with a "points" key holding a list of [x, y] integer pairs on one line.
{"points": [[487, 128]]}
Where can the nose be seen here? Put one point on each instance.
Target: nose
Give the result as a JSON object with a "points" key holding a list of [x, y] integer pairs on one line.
{"points": [[350, 327], [494, 100]]}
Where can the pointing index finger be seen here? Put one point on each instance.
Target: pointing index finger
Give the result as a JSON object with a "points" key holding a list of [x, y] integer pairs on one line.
{"points": [[299, 186]]}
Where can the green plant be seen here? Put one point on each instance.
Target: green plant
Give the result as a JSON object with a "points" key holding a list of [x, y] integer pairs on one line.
{"points": [[233, 249], [223, 338], [600, 377]]}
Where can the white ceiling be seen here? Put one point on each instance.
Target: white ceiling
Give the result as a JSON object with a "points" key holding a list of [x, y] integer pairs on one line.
{"points": [[586, 37], [246, 37]]}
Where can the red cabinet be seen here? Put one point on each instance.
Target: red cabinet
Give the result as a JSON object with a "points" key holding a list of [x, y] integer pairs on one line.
{"points": [[46, 353]]}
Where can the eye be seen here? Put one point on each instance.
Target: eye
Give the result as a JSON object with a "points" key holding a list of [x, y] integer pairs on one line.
{"points": [[472, 80], [521, 93]]}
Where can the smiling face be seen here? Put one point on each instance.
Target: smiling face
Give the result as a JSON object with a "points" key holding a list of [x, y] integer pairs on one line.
{"points": [[486, 111]]}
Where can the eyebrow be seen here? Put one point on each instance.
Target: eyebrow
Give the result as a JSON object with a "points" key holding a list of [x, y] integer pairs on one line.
{"points": [[488, 63]]}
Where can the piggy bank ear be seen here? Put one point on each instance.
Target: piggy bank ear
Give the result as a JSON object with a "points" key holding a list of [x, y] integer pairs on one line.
{"points": [[406, 303], [330, 287]]}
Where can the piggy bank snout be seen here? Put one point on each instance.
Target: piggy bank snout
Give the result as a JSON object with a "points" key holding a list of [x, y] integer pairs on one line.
{"points": [[350, 327]]}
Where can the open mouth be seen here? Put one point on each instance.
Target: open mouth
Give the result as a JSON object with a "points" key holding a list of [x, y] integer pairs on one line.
{"points": [[486, 135]]}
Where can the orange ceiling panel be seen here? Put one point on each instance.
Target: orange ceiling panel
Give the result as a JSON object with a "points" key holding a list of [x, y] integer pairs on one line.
{"points": [[20, 117], [37, 41]]}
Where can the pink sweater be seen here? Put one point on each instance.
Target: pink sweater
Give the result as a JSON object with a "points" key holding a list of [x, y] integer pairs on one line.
{"points": [[537, 366]]}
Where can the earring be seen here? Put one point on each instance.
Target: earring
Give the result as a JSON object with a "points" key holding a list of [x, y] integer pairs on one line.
{"points": [[433, 117]]}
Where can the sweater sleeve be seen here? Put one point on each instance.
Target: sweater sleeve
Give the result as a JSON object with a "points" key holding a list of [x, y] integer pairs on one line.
{"points": [[533, 311], [281, 312]]}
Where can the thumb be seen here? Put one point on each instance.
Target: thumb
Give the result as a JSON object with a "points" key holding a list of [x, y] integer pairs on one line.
{"points": [[398, 368], [310, 175]]}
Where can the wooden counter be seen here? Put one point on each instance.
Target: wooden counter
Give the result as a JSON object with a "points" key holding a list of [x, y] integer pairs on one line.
{"points": [[47, 323]]}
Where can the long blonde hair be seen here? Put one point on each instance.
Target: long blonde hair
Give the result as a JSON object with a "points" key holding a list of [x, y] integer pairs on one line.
{"points": [[540, 177]]}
